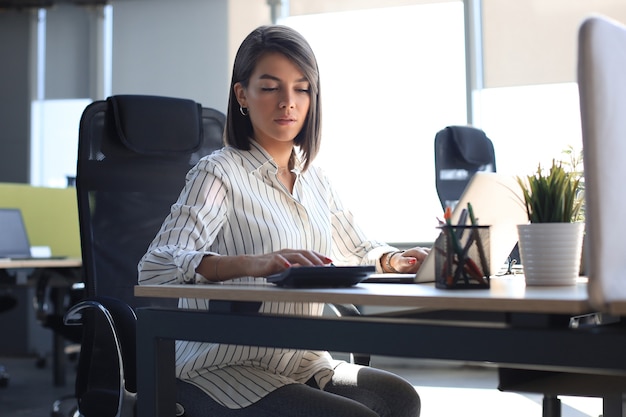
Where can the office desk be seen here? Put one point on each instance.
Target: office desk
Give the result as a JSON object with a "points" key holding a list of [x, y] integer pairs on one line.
{"points": [[617, 308], [56, 273], [533, 335], [42, 263]]}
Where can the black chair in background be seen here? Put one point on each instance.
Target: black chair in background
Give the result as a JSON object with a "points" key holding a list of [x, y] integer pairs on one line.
{"points": [[460, 151], [50, 303], [134, 152], [57, 290], [7, 302]]}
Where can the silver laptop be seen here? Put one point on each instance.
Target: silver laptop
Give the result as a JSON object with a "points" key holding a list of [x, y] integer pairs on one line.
{"points": [[497, 202], [14, 242]]}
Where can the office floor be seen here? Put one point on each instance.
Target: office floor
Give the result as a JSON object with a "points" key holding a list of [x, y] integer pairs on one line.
{"points": [[446, 390], [30, 391], [466, 390]]}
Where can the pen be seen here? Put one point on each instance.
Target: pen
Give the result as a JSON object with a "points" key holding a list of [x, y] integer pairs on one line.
{"points": [[479, 243], [462, 221], [453, 247], [447, 216]]}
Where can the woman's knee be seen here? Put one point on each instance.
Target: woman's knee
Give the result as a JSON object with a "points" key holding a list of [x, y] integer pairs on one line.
{"points": [[383, 391]]}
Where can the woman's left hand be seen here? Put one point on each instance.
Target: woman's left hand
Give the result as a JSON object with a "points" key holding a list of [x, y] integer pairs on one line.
{"points": [[409, 261]]}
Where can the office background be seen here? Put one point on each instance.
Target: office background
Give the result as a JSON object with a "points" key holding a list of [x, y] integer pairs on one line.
{"points": [[505, 66]]}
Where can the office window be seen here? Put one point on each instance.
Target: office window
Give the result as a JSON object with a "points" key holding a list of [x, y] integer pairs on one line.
{"points": [[54, 144], [529, 103], [531, 124], [532, 42], [72, 51], [391, 78]]}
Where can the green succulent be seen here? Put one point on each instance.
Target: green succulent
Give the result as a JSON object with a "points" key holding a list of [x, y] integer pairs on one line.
{"points": [[553, 196]]}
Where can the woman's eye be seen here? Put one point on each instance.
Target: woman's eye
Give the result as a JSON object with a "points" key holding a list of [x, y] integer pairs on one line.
{"points": [[303, 90], [269, 88]]}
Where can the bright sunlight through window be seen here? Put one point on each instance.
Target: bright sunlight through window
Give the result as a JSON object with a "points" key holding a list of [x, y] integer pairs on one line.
{"points": [[391, 79]]}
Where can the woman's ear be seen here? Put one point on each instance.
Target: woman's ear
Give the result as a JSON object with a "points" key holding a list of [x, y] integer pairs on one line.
{"points": [[240, 94]]}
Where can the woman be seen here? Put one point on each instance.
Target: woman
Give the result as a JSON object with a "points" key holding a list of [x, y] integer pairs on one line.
{"points": [[255, 208]]}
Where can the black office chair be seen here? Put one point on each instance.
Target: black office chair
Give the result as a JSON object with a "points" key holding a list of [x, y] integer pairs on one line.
{"points": [[133, 155], [460, 151]]}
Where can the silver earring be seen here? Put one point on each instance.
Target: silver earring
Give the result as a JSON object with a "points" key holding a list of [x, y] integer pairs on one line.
{"points": [[243, 110]]}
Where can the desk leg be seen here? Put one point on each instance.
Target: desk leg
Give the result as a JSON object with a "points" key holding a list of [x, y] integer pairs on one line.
{"points": [[551, 406], [58, 342], [613, 406], [156, 382]]}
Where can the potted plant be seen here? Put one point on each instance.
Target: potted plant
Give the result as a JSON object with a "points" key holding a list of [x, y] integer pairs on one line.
{"points": [[551, 244]]}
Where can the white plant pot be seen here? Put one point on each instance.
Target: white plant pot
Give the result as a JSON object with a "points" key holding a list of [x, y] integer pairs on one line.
{"points": [[551, 252]]}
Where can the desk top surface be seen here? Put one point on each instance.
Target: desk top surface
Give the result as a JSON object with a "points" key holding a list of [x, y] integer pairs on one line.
{"points": [[617, 308], [40, 263], [507, 294]]}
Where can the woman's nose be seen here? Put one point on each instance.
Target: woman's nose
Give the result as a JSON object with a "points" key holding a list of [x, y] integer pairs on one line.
{"points": [[287, 101]]}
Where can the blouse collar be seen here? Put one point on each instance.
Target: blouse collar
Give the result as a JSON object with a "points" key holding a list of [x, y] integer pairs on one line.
{"points": [[261, 160]]}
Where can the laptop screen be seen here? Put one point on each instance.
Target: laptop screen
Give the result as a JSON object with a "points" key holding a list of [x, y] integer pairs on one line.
{"points": [[498, 203], [13, 238]]}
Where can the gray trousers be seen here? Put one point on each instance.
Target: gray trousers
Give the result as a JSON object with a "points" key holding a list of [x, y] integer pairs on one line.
{"points": [[355, 391]]}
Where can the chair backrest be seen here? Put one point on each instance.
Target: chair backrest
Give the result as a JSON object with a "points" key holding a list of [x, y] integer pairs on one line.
{"points": [[460, 151], [133, 154], [602, 90]]}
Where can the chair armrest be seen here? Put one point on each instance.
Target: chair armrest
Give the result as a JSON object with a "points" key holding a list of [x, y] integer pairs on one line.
{"points": [[107, 363]]}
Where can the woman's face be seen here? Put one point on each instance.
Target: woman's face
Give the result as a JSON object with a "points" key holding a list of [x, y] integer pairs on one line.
{"points": [[277, 99]]}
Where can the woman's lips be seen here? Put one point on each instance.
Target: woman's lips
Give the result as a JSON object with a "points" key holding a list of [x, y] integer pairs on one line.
{"points": [[285, 121]]}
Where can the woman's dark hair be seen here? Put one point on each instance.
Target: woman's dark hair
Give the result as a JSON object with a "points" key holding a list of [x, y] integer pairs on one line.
{"points": [[291, 44]]}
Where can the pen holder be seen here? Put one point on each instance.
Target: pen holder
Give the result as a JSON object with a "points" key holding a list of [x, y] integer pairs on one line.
{"points": [[462, 257]]}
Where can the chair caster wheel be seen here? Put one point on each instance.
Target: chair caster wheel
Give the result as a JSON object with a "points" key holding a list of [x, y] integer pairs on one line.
{"points": [[65, 407]]}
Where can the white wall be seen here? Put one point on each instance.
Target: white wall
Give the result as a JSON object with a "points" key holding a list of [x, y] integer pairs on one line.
{"points": [[15, 40], [177, 49]]}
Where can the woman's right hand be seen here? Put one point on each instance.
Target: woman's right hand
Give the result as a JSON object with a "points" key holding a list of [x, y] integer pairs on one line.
{"points": [[222, 268], [275, 262]]}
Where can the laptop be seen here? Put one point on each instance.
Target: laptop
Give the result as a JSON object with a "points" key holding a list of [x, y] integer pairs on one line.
{"points": [[497, 202], [14, 242]]}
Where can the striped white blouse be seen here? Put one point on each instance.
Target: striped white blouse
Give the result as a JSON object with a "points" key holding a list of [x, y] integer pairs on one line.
{"points": [[233, 204]]}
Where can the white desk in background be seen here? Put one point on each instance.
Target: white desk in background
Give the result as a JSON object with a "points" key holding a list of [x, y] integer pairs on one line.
{"points": [[35, 263]]}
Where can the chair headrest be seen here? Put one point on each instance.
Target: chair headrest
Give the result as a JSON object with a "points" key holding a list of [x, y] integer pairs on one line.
{"points": [[154, 125], [473, 144]]}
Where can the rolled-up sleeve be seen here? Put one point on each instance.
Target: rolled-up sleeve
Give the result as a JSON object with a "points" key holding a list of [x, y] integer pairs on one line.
{"points": [[350, 244]]}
